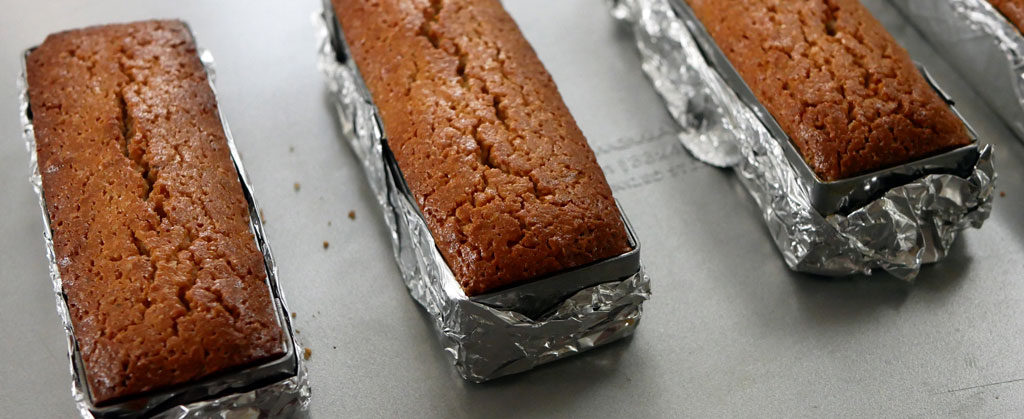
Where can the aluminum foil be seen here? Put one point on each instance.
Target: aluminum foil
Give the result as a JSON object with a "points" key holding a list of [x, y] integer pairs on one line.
{"points": [[907, 226], [485, 339], [984, 47], [244, 394]]}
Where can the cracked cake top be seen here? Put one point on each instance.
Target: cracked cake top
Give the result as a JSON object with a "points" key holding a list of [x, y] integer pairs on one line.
{"points": [[837, 82], [163, 278], [505, 179]]}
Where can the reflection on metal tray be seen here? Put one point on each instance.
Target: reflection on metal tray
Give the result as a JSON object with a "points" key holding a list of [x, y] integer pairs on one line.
{"points": [[845, 195], [534, 298], [224, 383]]}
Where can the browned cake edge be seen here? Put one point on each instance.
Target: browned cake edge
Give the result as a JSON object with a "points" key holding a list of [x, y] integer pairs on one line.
{"points": [[163, 280], [504, 177]]}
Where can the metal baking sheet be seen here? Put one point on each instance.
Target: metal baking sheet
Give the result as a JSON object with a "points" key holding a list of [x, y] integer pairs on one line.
{"points": [[729, 332]]}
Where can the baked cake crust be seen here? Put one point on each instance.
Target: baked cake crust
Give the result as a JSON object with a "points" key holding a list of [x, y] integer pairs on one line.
{"points": [[504, 177], [163, 278], [837, 82]]}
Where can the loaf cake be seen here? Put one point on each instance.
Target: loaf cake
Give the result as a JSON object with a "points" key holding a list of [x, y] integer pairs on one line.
{"points": [[151, 232], [839, 85], [1012, 9], [508, 186]]}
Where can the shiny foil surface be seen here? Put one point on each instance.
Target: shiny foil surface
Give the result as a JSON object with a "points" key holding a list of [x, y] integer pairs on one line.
{"points": [[484, 341], [241, 394], [985, 48], [908, 225]]}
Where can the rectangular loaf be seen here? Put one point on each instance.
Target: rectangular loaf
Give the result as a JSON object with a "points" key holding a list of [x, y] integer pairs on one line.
{"points": [[840, 86], [504, 177], [163, 278], [1012, 9]]}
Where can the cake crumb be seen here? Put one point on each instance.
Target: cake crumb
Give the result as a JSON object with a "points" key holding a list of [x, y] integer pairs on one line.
{"points": [[291, 149], [328, 223], [294, 314], [306, 353], [1002, 194], [297, 186], [352, 215], [326, 244], [263, 217]]}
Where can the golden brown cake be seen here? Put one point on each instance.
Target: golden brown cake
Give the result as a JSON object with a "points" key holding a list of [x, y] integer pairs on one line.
{"points": [[840, 86], [163, 278], [505, 179], [1012, 9]]}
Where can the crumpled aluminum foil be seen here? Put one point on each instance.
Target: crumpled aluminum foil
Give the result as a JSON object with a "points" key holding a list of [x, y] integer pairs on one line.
{"points": [[287, 397], [985, 48], [484, 341], [908, 226]]}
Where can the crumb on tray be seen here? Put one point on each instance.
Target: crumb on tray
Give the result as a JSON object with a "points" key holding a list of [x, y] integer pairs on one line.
{"points": [[297, 186], [306, 353], [326, 244], [352, 215]]}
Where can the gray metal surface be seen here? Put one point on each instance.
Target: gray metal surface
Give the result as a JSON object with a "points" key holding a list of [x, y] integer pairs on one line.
{"points": [[729, 329]]}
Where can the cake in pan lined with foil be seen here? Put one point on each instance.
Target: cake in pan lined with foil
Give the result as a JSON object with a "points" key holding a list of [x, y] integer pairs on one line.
{"points": [[902, 207], [985, 46], [520, 259], [163, 279]]}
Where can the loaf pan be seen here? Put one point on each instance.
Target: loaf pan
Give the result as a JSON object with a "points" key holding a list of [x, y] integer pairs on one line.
{"points": [[505, 331], [273, 387], [896, 219], [844, 195]]}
